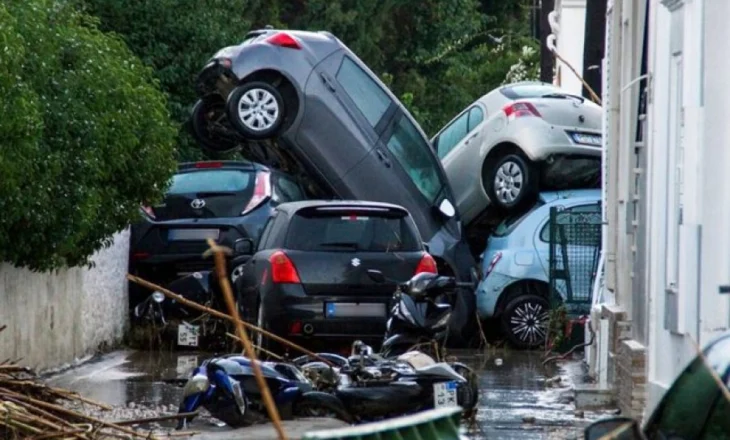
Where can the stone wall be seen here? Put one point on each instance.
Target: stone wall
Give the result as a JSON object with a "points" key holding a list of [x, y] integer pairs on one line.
{"points": [[56, 318]]}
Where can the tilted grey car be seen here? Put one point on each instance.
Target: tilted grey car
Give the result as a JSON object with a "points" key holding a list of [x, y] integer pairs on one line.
{"points": [[516, 140], [305, 103]]}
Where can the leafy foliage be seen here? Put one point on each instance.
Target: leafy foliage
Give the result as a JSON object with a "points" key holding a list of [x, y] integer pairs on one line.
{"points": [[84, 137]]}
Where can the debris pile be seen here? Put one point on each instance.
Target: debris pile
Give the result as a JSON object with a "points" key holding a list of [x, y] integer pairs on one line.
{"points": [[30, 409]]}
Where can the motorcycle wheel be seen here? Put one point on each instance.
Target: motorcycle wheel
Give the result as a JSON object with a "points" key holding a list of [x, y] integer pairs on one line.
{"points": [[226, 410], [317, 404]]}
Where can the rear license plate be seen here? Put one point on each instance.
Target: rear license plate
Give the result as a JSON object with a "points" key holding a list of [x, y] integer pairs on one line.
{"points": [[444, 394], [187, 335], [587, 139], [192, 234], [355, 310]]}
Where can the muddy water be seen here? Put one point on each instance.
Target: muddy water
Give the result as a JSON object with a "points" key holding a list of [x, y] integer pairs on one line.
{"points": [[519, 398]]}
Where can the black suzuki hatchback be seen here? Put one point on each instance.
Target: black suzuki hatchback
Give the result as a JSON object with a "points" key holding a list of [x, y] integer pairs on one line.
{"points": [[308, 278]]}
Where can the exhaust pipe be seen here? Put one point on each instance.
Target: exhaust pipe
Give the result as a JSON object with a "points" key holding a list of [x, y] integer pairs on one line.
{"points": [[308, 329]]}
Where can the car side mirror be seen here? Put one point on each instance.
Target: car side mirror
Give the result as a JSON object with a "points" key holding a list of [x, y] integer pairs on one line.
{"points": [[615, 428], [446, 208], [376, 276], [243, 246]]}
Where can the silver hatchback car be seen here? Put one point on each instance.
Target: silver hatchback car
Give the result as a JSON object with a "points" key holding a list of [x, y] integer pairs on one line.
{"points": [[517, 140]]}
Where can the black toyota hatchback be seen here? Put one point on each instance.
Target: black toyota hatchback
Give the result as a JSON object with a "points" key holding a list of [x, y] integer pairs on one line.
{"points": [[227, 201], [308, 278]]}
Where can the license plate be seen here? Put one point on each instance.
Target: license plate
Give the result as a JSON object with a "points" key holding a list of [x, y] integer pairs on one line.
{"points": [[187, 335], [354, 310], [444, 394], [192, 234], [587, 139]]}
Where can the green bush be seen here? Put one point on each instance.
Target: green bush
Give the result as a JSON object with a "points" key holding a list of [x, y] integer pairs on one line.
{"points": [[84, 135]]}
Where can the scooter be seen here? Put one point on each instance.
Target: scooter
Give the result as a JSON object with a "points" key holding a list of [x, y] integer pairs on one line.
{"points": [[419, 317], [227, 388], [200, 287]]}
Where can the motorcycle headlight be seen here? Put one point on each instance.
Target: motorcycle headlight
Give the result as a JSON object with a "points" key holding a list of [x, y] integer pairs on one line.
{"points": [[197, 384], [443, 321], [158, 297]]}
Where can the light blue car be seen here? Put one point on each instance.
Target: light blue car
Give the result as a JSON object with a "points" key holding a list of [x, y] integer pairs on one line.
{"points": [[515, 266]]}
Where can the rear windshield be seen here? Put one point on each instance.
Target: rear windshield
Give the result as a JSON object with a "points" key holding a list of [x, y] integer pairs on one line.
{"points": [[211, 181], [348, 232], [529, 91], [510, 223]]}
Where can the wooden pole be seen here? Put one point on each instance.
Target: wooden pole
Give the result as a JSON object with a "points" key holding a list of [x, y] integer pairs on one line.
{"points": [[256, 347], [192, 304], [220, 266]]}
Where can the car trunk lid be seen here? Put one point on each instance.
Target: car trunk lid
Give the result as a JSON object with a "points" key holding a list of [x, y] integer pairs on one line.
{"points": [[566, 110]]}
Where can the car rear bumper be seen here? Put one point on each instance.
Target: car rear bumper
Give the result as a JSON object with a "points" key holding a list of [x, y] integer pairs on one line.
{"points": [[295, 314]]}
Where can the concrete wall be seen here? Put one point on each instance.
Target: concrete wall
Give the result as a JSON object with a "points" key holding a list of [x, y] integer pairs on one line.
{"points": [[55, 318]]}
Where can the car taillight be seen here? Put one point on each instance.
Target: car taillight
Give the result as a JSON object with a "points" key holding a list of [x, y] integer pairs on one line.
{"points": [[520, 109], [208, 164], [261, 192], [295, 328], [140, 255], [282, 269], [282, 39], [149, 211], [427, 264], [495, 260]]}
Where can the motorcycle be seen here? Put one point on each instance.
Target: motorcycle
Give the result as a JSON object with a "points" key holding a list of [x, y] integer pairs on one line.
{"points": [[372, 387], [227, 388], [421, 312], [200, 287]]}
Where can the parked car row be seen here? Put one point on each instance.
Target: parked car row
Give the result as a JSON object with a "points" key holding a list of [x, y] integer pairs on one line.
{"points": [[340, 179]]}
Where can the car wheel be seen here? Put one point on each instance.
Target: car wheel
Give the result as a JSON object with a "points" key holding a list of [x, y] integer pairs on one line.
{"points": [[511, 182], [525, 321], [206, 127], [256, 109]]}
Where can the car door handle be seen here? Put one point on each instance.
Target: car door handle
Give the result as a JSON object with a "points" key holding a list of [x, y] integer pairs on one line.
{"points": [[383, 158], [471, 138], [327, 82]]}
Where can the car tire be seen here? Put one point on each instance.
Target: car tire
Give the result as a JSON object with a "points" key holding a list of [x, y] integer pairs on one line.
{"points": [[525, 321], [200, 123], [511, 182], [256, 110]]}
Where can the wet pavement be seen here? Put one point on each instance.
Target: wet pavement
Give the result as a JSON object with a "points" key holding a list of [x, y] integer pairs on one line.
{"points": [[519, 397]]}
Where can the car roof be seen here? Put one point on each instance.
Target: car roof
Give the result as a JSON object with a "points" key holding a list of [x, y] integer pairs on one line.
{"points": [[293, 207], [549, 197]]}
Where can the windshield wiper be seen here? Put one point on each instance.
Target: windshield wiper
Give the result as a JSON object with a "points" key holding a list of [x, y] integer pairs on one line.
{"points": [[563, 96], [343, 244]]}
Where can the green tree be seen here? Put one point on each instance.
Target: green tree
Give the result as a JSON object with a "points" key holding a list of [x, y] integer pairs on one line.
{"points": [[85, 135], [176, 38]]}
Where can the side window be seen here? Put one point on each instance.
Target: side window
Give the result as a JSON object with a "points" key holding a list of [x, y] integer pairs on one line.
{"points": [[452, 135], [287, 190], [264, 238], [575, 229], [368, 96], [476, 116]]}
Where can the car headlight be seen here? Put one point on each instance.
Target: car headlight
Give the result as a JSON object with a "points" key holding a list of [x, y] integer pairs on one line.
{"points": [[199, 383], [443, 321], [158, 297]]}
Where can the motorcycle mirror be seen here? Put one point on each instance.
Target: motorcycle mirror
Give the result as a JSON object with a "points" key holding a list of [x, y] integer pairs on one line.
{"points": [[376, 276]]}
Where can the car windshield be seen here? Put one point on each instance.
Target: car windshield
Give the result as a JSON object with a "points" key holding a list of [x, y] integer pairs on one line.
{"points": [[351, 231], [530, 91], [211, 181], [414, 154]]}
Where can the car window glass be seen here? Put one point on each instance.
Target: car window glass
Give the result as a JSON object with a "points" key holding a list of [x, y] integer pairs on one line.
{"points": [[453, 134], [263, 240], [210, 181], [687, 406], [529, 91], [584, 234], [287, 190], [367, 94], [510, 223], [476, 116], [413, 154], [343, 232]]}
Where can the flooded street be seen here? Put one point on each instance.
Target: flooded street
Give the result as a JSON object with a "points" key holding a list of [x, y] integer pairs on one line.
{"points": [[519, 398]]}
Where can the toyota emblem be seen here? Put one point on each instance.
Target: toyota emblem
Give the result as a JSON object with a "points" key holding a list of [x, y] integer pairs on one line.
{"points": [[197, 203]]}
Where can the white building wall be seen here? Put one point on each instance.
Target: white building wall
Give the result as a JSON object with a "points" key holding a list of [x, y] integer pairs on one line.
{"points": [[56, 318], [571, 16]]}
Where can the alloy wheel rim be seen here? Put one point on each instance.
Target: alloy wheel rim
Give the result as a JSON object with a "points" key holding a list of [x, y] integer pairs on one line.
{"points": [[529, 323], [258, 109], [508, 182]]}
